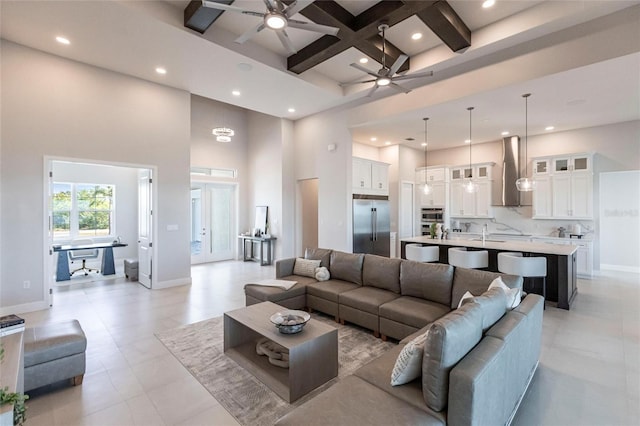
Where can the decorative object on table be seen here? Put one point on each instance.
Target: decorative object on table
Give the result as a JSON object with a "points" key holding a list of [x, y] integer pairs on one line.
{"points": [[561, 233], [432, 230], [470, 185], [322, 274], [261, 222], [525, 184], [290, 321], [278, 355], [439, 231]]}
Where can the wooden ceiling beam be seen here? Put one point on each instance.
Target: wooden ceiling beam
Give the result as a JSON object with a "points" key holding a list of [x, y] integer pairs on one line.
{"points": [[199, 18], [447, 25]]}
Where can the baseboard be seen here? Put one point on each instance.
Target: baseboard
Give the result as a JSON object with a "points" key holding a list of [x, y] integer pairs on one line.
{"points": [[171, 283], [621, 268], [25, 307]]}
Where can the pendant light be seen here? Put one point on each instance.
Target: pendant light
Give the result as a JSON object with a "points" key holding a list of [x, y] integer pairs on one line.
{"points": [[470, 185], [224, 133], [427, 187], [525, 184]]}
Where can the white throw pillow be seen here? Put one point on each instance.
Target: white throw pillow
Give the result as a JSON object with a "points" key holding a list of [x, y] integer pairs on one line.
{"points": [[409, 363], [305, 267], [322, 274], [513, 294], [465, 296]]}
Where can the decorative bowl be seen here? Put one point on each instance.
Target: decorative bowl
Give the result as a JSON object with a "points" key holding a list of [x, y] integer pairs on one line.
{"points": [[290, 321]]}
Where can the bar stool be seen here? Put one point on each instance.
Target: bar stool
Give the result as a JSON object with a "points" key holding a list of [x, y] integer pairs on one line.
{"points": [[527, 267], [422, 253], [460, 257]]}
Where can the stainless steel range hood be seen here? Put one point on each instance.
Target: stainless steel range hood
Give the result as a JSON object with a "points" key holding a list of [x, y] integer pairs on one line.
{"points": [[512, 169]]}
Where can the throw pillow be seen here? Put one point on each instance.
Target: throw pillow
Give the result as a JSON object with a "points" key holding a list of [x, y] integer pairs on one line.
{"points": [[322, 274], [513, 294], [305, 267], [409, 363], [465, 296]]}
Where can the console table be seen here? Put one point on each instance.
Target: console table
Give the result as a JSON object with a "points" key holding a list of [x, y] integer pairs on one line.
{"points": [[107, 267], [249, 253]]}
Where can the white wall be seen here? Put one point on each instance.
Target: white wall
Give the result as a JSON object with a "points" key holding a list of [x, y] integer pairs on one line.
{"points": [[312, 135], [365, 151], [60, 108]]}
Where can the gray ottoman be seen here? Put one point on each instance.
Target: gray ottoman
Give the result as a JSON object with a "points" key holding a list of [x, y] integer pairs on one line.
{"points": [[54, 352], [131, 269]]}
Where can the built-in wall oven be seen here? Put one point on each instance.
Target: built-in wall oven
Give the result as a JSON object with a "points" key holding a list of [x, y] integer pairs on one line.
{"points": [[429, 216]]}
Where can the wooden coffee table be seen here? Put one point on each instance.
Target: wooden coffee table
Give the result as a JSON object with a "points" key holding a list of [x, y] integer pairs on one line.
{"points": [[313, 353]]}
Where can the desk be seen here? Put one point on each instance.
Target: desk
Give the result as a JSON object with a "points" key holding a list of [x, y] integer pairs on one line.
{"points": [[249, 254], [107, 267]]}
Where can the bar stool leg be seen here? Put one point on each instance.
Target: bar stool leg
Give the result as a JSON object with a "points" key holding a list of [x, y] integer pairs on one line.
{"points": [[544, 292]]}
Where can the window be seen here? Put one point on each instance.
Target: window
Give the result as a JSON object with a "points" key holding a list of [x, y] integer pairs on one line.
{"points": [[83, 210]]}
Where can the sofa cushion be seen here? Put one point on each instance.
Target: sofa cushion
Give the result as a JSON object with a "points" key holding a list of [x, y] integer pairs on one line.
{"points": [[408, 365], [367, 299], [493, 304], [431, 281], [449, 339], [477, 282], [413, 311], [354, 401], [381, 272], [323, 255], [512, 295], [275, 294], [346, 266], [306, 267], [330, 290]]}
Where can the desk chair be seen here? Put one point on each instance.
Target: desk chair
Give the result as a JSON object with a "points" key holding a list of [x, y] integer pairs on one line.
{"points": [[83, 255]]}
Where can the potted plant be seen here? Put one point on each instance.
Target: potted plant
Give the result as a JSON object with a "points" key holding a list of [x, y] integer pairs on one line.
{"points": [[13, 398]]}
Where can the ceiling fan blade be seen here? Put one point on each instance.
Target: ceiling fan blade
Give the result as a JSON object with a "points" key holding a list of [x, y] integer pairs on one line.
{"points": [[399, 88], [310, 26], [296, 7], [351, 83], [286, 42], [415, 75], [271, 5], [226, 7], [372, 90], [397, 64], [363, 69], [250, 33]]}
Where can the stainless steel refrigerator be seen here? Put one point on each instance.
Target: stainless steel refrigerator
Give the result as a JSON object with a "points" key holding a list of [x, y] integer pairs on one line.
{"points": [[371, 225]]}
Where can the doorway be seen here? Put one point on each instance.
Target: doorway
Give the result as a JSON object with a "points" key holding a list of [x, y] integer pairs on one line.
{"points": [[213, 222], [307, 215]]}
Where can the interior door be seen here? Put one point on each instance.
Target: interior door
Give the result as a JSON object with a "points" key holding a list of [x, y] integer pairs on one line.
{"points": [[213, 221], [145, 216]]}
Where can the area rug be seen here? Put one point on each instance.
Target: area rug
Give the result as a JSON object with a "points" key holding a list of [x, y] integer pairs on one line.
{"points": [[199, 347]]}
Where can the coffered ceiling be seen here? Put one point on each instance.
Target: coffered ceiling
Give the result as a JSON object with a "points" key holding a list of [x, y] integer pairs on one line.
{"points": [[136, 37]]}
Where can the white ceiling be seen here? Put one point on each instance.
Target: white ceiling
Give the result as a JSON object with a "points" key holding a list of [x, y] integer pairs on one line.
{"points": [[134, 37]]}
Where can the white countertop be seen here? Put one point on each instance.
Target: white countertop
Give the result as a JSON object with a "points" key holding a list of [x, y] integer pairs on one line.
{"points": [[496, 244]]}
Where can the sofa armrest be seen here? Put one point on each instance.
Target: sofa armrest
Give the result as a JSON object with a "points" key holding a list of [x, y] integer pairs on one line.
{"points": [[284, 267]]}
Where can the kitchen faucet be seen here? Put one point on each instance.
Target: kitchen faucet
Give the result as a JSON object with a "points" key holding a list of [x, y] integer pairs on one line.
{"points": [[484, 233]]}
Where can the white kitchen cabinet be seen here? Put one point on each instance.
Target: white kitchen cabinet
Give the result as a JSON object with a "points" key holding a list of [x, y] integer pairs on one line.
{"points": [[437, 177], [370, 177], [566, 191], [437, 196], [542, 201], [584, 258], [475, 204]]}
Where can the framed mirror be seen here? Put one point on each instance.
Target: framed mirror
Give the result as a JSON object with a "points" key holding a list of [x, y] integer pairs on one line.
{"points": [[260, 226]]}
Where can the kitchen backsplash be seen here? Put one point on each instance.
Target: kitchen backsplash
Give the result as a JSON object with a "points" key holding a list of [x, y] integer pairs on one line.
{"points": [[517, 220]]}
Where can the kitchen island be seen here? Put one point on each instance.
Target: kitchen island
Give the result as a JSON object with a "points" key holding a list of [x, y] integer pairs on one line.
{"points": [[561, 261]]}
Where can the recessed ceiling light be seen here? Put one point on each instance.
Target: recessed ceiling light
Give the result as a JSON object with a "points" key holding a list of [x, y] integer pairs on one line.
{"points": [[423, 144], [505, 133], [363, 60], [291, 110], [62, 40], [467, 141], [242, 66], [236, 93], [416, 36], [488, 3], [387, 143], [549, 128], [161, 70], [374, 139]]}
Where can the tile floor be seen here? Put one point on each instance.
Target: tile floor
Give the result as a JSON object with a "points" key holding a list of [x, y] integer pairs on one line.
{"points": [[589, 366]]}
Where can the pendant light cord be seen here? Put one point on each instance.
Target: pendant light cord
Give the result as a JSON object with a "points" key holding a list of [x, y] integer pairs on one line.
{"points": [[526, 133], [426, 137], [470, 143]]}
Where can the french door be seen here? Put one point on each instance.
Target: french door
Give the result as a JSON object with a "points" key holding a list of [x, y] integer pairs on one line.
{"points": [[213, 222]]}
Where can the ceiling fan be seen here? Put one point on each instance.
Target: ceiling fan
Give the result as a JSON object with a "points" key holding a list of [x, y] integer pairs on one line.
{"points": [[278, 18], [386, 76]]}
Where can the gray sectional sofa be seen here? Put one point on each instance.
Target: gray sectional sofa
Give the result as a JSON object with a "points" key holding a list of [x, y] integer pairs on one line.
{"points": [[477, 359]]}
